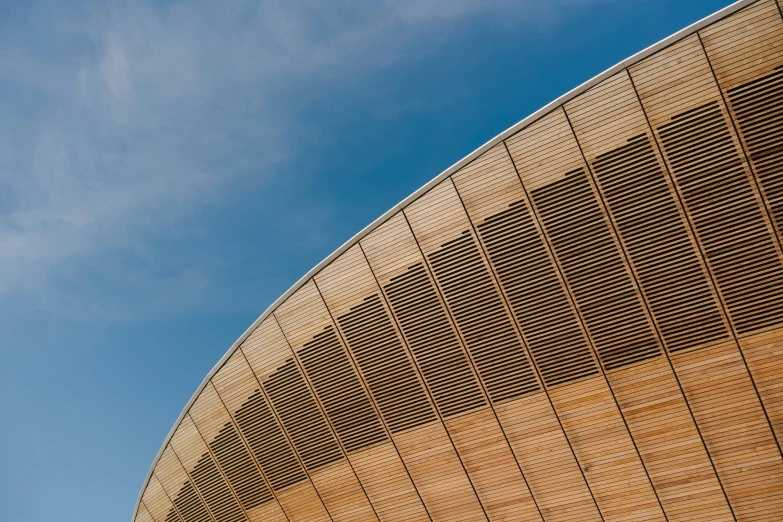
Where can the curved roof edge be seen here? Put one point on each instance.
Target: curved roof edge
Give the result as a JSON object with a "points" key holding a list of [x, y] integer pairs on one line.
{"points": [[714, 17]]}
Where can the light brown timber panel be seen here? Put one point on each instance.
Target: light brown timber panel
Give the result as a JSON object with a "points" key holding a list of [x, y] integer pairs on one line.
{"points": [[491, 191], [239, 388], [584, 322], [351, 296], [158, 504], [302, 415], [188, 504], [555, 177], [233, 458], [746, 54], [142, 515], [391, 251], [683, 105], [614, 136]]}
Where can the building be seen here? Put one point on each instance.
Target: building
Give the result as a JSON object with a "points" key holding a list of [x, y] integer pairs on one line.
{"points": [[582, 320]]}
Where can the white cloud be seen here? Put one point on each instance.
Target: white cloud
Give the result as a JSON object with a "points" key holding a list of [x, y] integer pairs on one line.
{"points": [[121, 112]]}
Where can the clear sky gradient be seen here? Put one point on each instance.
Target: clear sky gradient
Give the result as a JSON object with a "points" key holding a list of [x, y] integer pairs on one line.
{"points": [[168, 169]]}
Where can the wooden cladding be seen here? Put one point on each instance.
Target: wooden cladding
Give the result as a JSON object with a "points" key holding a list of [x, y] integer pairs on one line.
{"points": [[657, 241], [337, 384], [758, 106], [390, 375], [594, 269], [476, 306], [584, 322], [301, 417], [433, 342], [718, 193]]}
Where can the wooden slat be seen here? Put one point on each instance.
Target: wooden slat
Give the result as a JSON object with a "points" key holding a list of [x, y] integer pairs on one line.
{"points": [[600, 439], [746, 54], [684, 107], [303, 420], [158, 502], [491, 191], [614, 136], [190, 506], [233, 457], [239, 390]]}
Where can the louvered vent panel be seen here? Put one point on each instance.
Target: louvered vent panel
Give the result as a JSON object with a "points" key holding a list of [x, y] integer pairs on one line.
{"points": [[482, 319], [536, 296], [268, 443], [215, 491], [594, 270], [658, 243], [387, 369], [301, 417], [236, 463], [189, 505], [726, 215], [340, 391], [433, 341], [758, 106]]}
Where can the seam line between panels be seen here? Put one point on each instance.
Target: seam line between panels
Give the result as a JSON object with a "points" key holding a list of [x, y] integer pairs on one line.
{"points": [[468, 355], [173, 506], [322, 408], [195, 487], [248, 449], [523, 342], [709, 275], [219, 468], [469, 358], [370, 397], [773, 234], [578, 316], [285, 434]]}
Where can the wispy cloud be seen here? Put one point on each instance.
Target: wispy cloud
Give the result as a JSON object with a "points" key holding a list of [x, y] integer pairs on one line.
{"points": [[120, 122]]}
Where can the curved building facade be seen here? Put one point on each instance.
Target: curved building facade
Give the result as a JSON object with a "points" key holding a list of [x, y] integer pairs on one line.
{"points": [[582, 320]]}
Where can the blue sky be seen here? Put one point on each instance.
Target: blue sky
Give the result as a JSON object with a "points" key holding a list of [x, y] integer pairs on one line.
{"points": [[168, 169]]}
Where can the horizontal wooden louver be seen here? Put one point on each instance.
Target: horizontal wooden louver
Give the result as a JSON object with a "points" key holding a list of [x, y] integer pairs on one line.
{"points": [[268, 443], [189, 505], [726, 215], [433, 341], [594, 269], [236, 463], [384, 364], [657, 241], [758, 106], [172, 516], [482, 319], [536, 295], [337, 385], [215, 491], [301, 417]]}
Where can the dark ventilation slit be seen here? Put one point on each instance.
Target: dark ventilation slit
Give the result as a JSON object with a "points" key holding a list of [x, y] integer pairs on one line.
{"points": [[726, 215], [658, 244], [385, 365], [433, 342], [337, 385], [301, 417], [595, 271], [536, 296]]}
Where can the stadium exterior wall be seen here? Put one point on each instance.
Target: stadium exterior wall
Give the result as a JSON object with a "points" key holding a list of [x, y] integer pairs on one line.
{"points": [[581, 320]]}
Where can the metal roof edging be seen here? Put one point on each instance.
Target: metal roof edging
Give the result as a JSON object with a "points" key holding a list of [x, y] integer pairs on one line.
{"points": [[682, 33]]}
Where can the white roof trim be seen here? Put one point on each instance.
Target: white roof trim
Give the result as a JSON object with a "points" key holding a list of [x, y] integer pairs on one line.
{"points": [[687, 31]]}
